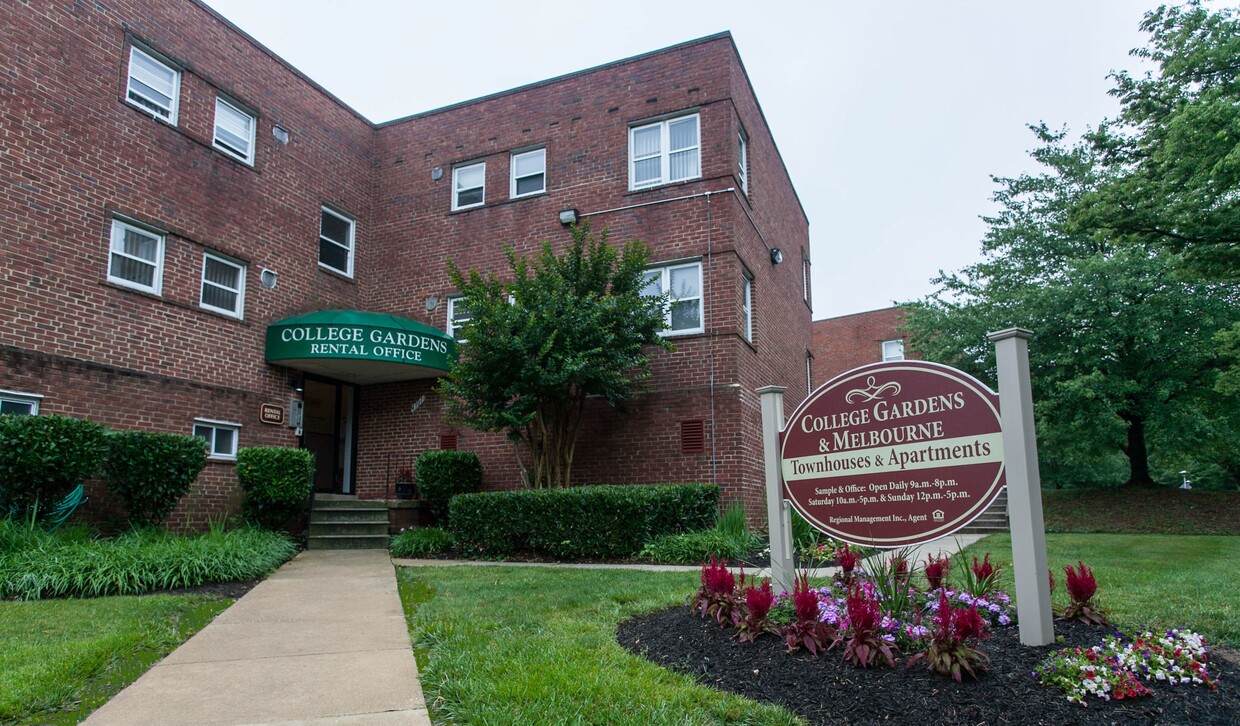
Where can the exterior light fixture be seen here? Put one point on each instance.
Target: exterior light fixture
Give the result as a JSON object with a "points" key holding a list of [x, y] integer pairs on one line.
{"points": [[298, 383], [777, 255], [568, 216]]}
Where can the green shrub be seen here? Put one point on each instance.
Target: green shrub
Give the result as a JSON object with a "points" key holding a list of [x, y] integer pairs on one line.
{"points": [[420, 542], [693, 548], [276, 482], [150, 472], [442, 475], [582, 522], [59, 564], [730, 539], [43, 458]]}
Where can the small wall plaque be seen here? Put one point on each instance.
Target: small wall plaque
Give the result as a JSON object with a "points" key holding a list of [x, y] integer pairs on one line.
{"points": [[270, 413]]}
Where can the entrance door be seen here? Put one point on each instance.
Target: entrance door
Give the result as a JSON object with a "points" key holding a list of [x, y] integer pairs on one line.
{"points": [[327, 430]]}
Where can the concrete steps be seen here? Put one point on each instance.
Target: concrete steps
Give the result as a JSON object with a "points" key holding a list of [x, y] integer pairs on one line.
{"points": [[994, 519], [347, 523]]}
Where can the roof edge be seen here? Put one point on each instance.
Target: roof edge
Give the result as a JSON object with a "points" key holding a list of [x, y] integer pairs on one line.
{"points": [[277, 58], [563, 77]]}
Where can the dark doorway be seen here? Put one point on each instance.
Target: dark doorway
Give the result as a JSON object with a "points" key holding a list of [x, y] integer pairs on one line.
{"points": [[328, 432]]}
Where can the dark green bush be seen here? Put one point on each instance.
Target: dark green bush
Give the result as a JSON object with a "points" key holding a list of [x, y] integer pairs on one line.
{"points": [[582, 522], [276, 482], [42, 458], [420, 542], [442, 475], [150, 472]]}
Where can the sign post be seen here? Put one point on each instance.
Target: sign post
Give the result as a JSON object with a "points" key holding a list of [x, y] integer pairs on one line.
{"points": [[1033, 594], [777, 520]]}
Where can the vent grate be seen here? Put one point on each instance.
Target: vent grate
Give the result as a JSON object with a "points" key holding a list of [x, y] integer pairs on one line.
{"points": [[693, 436], [447, 442]]}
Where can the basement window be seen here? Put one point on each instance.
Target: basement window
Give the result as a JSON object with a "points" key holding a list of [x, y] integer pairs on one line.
{"points": [[20, 404], [221, 437]]}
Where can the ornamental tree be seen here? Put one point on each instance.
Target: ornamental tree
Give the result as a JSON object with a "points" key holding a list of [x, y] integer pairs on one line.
{"points": [[561, 329]]}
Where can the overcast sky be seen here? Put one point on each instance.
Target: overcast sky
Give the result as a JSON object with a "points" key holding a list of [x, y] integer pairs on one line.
{"points": [[891, 116]]}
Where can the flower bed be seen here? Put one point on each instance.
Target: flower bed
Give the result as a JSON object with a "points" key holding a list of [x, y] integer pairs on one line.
{"points": [[875, 621]]}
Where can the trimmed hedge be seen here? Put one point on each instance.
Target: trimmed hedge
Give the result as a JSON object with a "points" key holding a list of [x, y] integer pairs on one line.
{"points": [[581, 522], [42, 458], [277, 483], [442, 475], [150, 472]]}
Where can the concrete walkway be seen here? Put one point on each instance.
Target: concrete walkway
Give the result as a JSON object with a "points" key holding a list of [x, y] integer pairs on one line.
{"points": [[322, 641]]}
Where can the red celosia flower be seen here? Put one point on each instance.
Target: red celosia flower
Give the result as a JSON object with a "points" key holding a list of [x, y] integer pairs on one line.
{"points": [[847, 559], [716, 578], [1080, 583], [863, 613], [936, 571], [985, 569], [804, 600], [759, 601], [968, 624]]}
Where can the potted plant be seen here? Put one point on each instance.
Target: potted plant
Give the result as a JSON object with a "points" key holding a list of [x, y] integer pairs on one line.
{"points": [[404, 483]]}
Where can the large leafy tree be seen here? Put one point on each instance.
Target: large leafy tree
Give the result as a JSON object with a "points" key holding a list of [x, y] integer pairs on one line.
{"points": [[1123, 354], [561, 329], [1173, 153]]}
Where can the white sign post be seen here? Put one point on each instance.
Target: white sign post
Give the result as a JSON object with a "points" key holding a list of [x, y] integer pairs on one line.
{"points": [[777, 517], [1024, 484]]}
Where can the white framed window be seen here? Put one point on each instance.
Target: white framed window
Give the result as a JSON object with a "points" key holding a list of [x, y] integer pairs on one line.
{"points": [[809, 372], [336, 241], [22, 404], [458, 315], [893, 350], [136, 257], [664, 152], [469, 185], [747, 307], [529, 173], [221, 437], [683, 283], [742, 162], [223, 285], [154, 86], [234, 131]]}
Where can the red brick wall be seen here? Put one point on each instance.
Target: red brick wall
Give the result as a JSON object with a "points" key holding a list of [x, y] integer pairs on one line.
{"points": [[73, 153], [843, 343], [582, 120]]}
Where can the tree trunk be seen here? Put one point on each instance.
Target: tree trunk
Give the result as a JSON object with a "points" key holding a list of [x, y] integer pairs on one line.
{"points": [[1138, 456]]}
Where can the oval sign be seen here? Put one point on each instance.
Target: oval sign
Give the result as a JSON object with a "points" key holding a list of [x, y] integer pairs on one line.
{"points": [[894, 454]]}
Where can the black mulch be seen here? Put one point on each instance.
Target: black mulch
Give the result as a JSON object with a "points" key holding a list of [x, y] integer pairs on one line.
{"points": [[825, 690], [231, 590]]}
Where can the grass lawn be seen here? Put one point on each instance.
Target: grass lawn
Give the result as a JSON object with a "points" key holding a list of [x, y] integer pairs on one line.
{"points": [[1159, 581], [61, 659], [532, 645]]}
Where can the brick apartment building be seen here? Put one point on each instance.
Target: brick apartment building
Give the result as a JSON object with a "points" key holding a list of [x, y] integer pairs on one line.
{"points": [[197, 238], [845, 342]]}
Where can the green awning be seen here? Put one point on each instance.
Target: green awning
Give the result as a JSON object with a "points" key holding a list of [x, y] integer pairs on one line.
{"points": [[360, 347]]}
